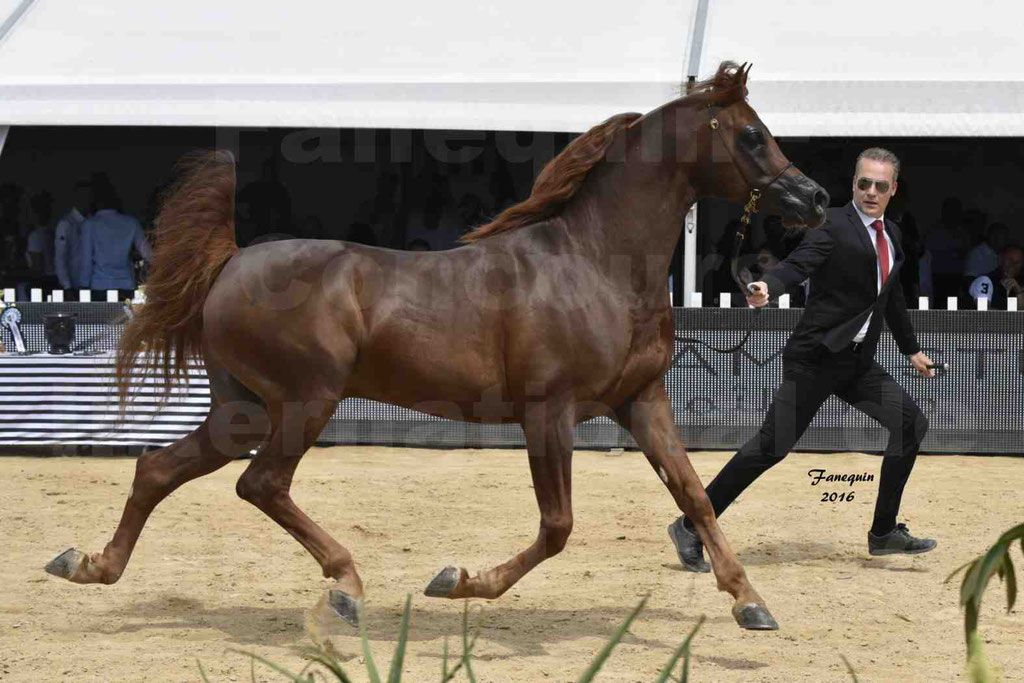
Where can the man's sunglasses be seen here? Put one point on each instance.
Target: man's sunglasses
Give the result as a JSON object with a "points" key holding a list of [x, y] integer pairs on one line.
{"points": [[864, 184]]}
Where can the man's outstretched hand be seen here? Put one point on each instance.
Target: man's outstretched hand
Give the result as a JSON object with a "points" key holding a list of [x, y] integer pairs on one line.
{"points": [[759, 297]]}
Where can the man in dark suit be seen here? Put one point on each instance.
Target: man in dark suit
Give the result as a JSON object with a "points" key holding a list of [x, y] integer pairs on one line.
{"points": [[853, 263]]}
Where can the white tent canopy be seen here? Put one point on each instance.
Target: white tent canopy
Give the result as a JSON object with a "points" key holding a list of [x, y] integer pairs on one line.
{"points": [[533, 66], [905, 68], [913, 67]]}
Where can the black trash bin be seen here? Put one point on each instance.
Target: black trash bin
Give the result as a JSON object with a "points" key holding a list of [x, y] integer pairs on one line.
{"points": [[59, 329]]}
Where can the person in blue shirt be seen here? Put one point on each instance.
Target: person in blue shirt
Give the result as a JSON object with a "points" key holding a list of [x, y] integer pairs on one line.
{"points": [[108, 237]]}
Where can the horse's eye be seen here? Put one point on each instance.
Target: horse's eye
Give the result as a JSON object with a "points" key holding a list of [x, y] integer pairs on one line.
{"points": [[753, 136]]}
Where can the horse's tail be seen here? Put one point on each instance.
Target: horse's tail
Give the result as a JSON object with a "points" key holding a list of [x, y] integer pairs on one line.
{"points": [[194, 237]]}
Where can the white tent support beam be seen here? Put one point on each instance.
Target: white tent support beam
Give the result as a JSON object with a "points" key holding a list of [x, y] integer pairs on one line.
{"points": [[13, 17], [700, 22], [696, 45]]}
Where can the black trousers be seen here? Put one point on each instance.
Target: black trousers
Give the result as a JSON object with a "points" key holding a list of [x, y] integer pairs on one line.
{"points": [[806, 384]]}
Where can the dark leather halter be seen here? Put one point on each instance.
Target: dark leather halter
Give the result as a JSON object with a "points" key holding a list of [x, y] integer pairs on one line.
{"points": [[749, 209]]}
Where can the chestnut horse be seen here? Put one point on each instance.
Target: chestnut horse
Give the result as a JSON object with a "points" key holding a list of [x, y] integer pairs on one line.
{"points": [[555, 312]]}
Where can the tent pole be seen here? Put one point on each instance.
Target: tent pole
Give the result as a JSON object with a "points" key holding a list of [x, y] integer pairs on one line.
{"points": [[13, 17], [696, 43]]}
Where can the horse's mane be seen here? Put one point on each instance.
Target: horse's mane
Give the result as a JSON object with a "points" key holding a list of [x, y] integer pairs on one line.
{"points": [[558, 181], [562, 177]]}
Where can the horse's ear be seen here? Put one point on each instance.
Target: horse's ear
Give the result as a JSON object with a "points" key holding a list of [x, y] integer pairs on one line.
{"points": [[745, 71]]}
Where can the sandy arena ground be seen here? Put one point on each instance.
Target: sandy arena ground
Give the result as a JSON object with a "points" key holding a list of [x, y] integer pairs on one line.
{"points": [[212, 573]]}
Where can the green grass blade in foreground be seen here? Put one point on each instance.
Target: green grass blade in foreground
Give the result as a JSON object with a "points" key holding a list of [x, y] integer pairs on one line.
{"points": [[849, 668], [364, 638], [445, 677], [202, 673], [1011, 581], [977, 578], [329, 661], [295, 678], [602, 656], [467, 644], [467, 650], [966, 565], [395, 674], [977, 665], [682, 651]]}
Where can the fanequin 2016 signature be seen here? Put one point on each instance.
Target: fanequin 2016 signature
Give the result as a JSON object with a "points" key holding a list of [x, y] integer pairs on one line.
{"points": [[818, 476]]}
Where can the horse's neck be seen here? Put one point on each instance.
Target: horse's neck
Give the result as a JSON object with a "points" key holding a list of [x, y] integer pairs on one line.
{"points": [[630, 219]]}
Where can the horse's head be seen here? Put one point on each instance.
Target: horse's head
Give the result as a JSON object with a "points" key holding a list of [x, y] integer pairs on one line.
{"points": [[746, 158]]}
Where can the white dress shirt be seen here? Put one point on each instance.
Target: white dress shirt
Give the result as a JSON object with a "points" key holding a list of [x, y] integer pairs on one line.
{"points": [[68, 249], [873, 236]]}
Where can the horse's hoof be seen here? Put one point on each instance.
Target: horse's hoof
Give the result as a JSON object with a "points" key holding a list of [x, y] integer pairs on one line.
{"points": [[65, 564], [344, 606], [444, 583], [754, 617]]}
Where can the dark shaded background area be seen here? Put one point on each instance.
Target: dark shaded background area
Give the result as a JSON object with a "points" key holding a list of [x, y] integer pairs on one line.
{"points": [[421, 189]]}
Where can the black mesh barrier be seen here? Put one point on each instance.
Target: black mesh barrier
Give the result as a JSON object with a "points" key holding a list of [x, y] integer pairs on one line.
{"points": [[720, 400], [93, 325], [976, 407]]}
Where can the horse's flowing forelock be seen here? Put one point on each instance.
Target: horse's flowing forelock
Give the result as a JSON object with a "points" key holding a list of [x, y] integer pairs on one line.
{"points": [[558, 181], [562, 177]]}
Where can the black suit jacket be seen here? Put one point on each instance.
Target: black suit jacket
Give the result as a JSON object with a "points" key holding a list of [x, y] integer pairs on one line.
{"points": [[842, 264]]}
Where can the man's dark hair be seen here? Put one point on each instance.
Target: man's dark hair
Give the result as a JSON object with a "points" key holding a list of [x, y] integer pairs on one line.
{"points": [[883, 155], [104, 196]]}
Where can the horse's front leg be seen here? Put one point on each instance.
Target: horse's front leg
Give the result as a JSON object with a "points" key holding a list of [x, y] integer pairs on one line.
{"points": [[649, 419], [549, 441]]}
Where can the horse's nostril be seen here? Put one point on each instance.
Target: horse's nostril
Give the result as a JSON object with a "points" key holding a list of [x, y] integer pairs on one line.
{"points": [[821, 198]]}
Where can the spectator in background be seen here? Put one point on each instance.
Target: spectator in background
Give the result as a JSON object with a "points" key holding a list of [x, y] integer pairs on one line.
{"points": [[264, 205], [67, 255], [436, 224], [10, 227], [1003, 282], [311, 228], [470, 213], [912, 272], [39, 248], [947, 244], [718, 261], [381, 219], [107, 241], [360, 232], [502, 186], [983, 258], [387, 211]]}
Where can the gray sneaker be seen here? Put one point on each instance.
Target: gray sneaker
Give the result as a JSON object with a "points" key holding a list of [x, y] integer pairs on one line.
{"points": [[900, 541], [688, 547]]}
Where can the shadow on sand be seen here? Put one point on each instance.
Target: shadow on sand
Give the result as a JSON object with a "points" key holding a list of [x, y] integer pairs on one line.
{"points": [[520, 632]]}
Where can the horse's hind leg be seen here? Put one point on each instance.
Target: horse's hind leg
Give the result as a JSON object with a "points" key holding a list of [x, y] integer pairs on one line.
{"points": [[649, 419], [157, 475], [549, 442], [266, 484]]}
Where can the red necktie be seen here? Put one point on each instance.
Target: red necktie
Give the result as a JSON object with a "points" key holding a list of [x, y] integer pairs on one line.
{"points": [[882, 247]]}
